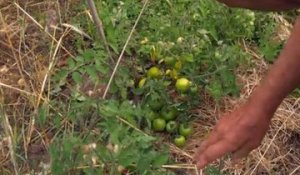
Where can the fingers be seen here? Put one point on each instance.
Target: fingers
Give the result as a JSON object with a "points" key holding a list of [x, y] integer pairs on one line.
{"points": [[212, 139], [242, 151], [212, 152]]}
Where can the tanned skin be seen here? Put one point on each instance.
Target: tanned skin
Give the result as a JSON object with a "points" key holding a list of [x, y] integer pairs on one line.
{"points": [[242, 130]]}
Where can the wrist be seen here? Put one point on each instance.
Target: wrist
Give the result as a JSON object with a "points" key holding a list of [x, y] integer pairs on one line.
{"points": [[264, 102]]}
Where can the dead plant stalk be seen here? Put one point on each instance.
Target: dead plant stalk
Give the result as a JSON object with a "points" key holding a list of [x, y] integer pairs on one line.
{"points": [[99, 27], [124, 48]]}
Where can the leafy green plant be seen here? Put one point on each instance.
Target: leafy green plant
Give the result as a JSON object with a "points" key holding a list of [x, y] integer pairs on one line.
{"points": [[268, 46], [118, 145], [201, 45]]}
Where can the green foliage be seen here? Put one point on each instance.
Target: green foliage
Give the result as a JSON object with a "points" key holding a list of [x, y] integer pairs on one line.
{"points": [[210, 35], [131, 149], [42, 114], [266, 34], [65, 154], [198, 40]]}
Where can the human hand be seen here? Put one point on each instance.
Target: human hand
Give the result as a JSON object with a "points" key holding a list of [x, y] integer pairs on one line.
{"points": [[238, 132]]}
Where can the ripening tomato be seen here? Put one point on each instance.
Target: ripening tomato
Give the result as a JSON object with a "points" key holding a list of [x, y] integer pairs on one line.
{"points": [[185, 130], [171, 126], [182, 84], [159, 124], [154, 72], [142, 82], [180, 141]]}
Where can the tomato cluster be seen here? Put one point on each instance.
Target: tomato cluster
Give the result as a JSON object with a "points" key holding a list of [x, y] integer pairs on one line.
{"points": [[166, 121], [163, 117]]}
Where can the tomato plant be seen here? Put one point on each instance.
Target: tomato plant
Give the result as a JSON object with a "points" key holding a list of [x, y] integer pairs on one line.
{"points": [[174, 57]]}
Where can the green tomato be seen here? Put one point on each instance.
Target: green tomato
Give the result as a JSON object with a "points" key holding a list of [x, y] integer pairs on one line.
{"points": [[156, 104], [183, 84], [168, 114], [251, 15], [170, 61], [152, 115], [179, 40], [194, 89], [172, 73], [178, 65], [154, 72], [142, 82], [180, 141], [171, 127], [159, 124], [218, 55], [185, 130]]}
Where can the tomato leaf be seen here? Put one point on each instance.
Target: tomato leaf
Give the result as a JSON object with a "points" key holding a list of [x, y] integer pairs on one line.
{"points": [[127, 157], [160, 160], [76, 76]]}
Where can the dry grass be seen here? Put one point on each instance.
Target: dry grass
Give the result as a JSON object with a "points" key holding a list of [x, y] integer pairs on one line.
{"points": [[28, 28], [30, 46]]}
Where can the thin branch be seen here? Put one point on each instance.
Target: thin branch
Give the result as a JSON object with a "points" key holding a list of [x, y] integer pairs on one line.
{"points": [[16, 89], [123, 50], [131, 125], [172, 166], [51, 65], [99, 26], [295, 170], [11, 143]]}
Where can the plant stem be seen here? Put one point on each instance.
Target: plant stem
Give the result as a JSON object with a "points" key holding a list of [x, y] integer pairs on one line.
{"points": [[99, 27]]}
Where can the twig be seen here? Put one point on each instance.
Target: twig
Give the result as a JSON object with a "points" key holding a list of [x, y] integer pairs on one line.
{"points": [[76, 30], [295, 170], [10, 44], [123, 50], [132, 126], [180, 150], [99, 26], [51, 65], [16, 89], [40, 96], [174, 166], [11, 145], [179, 166]]}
